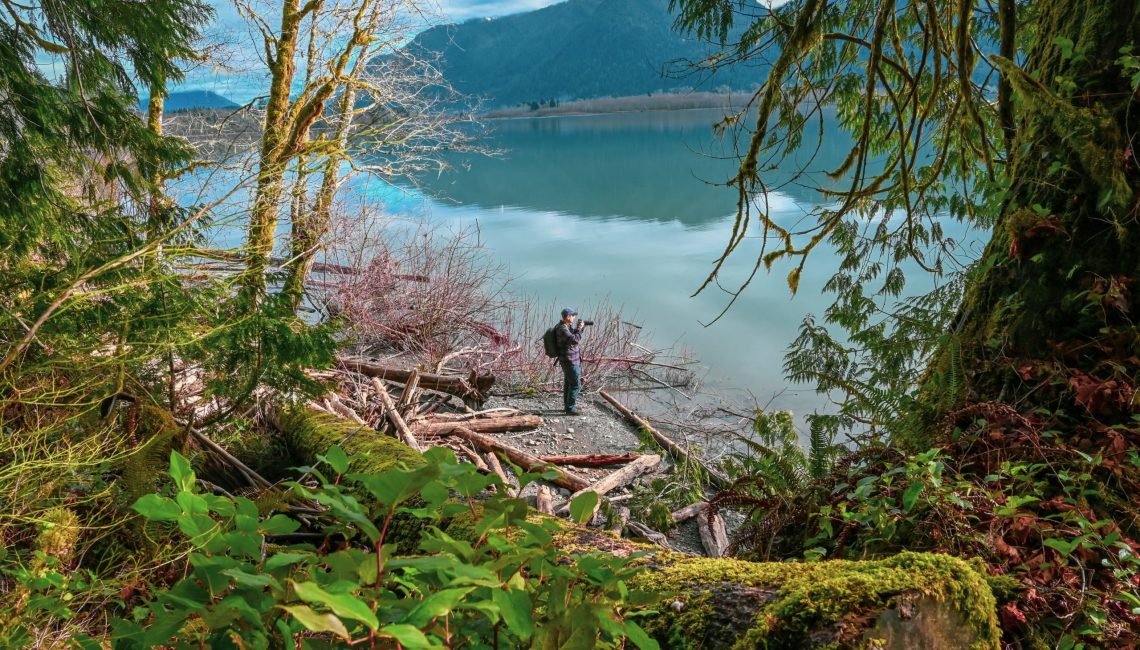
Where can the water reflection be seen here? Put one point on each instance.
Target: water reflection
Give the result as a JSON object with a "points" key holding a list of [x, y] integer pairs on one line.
{"points": [[658, 166]]}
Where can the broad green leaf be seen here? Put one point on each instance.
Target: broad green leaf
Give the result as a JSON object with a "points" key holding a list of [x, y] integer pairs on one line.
{"points": [[192, 503], [315, 622], [279, 524], [337, 459], [344, 605], [583, 505], [246, 579], [181, 472], [278, 560], [639, 637], [408, 636], [157, 508], [515, 608], [910, 496], [1059, 544], [436, 605]]}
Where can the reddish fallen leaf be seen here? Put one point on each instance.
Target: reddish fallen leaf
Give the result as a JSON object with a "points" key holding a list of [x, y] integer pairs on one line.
{"points": [[1011, 617]]}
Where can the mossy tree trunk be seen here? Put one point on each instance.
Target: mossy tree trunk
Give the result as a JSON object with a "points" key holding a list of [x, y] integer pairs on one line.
{"points": [[1050, 313]]}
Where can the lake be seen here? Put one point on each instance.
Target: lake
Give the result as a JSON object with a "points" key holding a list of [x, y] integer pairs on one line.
{"points": [[626, 206]]}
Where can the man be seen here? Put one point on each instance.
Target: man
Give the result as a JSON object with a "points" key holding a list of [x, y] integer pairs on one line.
{"points": [[569, 336]]}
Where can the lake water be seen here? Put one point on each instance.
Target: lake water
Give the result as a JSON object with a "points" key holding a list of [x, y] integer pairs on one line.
{"points": [[624, 206]]}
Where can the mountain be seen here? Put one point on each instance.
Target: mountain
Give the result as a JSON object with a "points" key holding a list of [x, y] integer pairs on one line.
{"points": [[186, 100], [574, 50]]}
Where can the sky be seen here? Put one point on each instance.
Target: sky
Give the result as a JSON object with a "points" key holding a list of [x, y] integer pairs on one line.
{"points": [[228, 27]]}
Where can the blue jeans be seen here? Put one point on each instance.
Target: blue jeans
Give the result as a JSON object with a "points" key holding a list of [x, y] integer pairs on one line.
{"points": [[571, 383]]}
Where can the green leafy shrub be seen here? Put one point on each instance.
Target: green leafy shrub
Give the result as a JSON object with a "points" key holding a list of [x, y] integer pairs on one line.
{"points": [[486, 572]]}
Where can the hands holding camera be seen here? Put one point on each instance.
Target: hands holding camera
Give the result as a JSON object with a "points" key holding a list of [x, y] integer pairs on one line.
{"points": [[583, 323]]}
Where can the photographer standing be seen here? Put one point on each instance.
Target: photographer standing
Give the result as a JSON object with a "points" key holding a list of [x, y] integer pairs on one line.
{"points": [[569, 334]]}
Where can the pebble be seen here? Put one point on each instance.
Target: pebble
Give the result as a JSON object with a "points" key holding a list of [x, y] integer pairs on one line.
{"points": [[569, 430]]}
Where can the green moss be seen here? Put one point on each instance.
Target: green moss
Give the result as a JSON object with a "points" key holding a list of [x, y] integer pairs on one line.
{"points": [[59, 534], [308, 433], [791, 602]]}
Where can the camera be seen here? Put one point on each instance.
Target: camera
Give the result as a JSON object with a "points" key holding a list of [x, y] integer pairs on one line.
{"points": [[587, 322]]}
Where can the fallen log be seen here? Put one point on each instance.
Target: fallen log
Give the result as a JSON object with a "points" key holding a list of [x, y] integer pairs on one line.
{"points": [[672, 448], [524, 460], [475, 392], [714, 535], [486, 425], [910, 599], [402, 430], [690, 511], [617, 479], [591, 460]]}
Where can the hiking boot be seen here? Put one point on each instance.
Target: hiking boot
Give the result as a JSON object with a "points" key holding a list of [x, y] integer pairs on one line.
{"points": [[571, 411]]}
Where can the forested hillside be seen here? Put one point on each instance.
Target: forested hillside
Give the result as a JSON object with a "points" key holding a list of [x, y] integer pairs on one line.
{"points": [[575, 49]]}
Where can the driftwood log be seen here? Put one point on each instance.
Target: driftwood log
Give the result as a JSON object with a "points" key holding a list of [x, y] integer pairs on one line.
{"points": [[909, 600], [472, 392], [591, 460], [714, 535], [402, 430], [614, 480], [673, 449], [529, 463], [481, 425]]}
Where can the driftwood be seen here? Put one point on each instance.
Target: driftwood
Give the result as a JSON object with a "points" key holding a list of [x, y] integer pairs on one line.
{"points": [[408, 399], [645, 532], [591, 460], [402, 430], [341, 409], [617, 479], [485, 425], [524, 460], [544, 500], [673, 449], [690, 511], [470, 391], [497, 467], [714, 535]]}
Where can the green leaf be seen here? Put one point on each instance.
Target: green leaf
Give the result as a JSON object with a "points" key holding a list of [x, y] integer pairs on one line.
{"points": [[157, 508], [278, 525], [191, 503], [583, 505], [318, 622], [911, 496], [515, 608], [1065, 548], [344, 605], [181, 472], [639, 637], [436, 605], [337, 459], [407, 635], [278, 560]]}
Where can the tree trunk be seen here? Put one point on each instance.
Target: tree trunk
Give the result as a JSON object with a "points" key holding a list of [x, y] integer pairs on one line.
{"points": [[1053, 301], [912, 600], [274, 157]]}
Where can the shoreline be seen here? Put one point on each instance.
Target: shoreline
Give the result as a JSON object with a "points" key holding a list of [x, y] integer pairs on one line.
{"points": [[625, 104]]}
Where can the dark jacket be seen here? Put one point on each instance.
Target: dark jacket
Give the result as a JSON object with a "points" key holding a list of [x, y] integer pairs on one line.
{"points": [[569, 340]]}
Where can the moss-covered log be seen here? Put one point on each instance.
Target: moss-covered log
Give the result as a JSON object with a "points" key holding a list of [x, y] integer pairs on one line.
{"points": [[912, 600]]}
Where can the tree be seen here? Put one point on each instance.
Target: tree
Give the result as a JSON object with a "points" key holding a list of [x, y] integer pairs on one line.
{"points": [[356, 91], [1014, 118]]}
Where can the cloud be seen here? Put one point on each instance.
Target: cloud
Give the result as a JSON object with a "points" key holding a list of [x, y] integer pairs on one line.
{"points": [[462, 10]]}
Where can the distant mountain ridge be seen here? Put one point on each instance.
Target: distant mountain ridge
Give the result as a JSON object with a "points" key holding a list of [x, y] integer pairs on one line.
{"points": [[186, 100], [574, 50]]}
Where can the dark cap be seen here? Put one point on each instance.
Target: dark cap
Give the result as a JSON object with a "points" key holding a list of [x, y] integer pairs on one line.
{"points": [[568, 311]]}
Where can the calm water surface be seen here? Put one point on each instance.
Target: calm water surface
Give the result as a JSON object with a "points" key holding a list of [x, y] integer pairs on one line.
{"points": [[626, 207]]}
